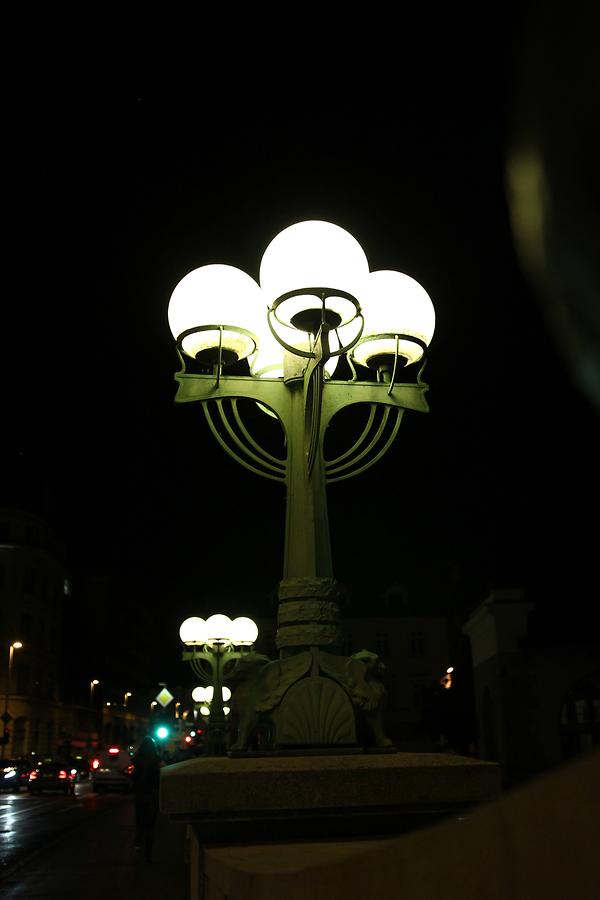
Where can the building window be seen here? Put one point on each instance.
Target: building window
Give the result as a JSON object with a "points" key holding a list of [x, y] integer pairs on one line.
{"points": [[417, 643]]}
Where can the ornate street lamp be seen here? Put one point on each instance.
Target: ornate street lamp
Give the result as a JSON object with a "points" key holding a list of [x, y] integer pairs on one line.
{"points": [[215, 648], [316, 301]]}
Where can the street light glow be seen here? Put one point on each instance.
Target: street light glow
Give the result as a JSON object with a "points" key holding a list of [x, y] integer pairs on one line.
{"points": [[312, 272], [221, 296], [243, 631], [394, 304], [218, 629], [193, 631]]}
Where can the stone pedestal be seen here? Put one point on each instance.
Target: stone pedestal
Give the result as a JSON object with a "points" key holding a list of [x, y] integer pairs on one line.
{"points": [[285, 798]]}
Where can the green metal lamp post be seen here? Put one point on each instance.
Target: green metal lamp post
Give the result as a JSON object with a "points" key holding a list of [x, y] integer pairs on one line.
{"points": [[316, 301], [215, 649]]}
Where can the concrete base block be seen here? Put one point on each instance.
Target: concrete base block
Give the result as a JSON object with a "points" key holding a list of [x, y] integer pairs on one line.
{"points": [[244, 799]]}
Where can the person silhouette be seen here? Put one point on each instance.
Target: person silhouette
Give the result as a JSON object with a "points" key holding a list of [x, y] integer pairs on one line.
{"points": [[146, 782]]}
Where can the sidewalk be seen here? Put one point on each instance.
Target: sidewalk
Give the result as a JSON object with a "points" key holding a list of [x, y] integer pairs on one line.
{"points": [[98, 861]]}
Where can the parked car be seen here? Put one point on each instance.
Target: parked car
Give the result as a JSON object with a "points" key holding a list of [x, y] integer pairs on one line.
{"points": [[51, 776], [14, 774], [80, 767], [111, 769]]}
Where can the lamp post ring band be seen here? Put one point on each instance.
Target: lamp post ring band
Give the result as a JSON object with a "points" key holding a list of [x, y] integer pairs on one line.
{"points": [[308, 354], [395, 336], [321, 292], [198, 328]]}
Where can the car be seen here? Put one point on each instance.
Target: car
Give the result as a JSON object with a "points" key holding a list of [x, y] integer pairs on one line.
{"points": [[80, 767], [51, 775], [111, 769], [14, 774]]}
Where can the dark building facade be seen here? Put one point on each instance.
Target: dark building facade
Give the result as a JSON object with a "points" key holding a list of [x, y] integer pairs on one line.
{"points": [[70, 636], [536, 691]]}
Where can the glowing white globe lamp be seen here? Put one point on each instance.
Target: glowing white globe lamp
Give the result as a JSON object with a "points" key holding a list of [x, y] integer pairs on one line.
{"points": [[243, 631], [218, 629], [313, 255], [399, 317], [202, 694], [215, 312], [193, 631]]}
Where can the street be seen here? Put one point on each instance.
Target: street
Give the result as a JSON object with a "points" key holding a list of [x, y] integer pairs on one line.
{"points": [[73, 846]]}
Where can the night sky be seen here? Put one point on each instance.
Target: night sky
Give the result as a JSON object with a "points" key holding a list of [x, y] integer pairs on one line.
{"points": [[142, 144]]}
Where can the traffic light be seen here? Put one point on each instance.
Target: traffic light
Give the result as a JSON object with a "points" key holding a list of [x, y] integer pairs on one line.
{"points": [[162, 732]]}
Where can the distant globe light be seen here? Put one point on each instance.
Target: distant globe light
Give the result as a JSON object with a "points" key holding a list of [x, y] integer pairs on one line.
{"points": [[243, 631], [218, 628]]}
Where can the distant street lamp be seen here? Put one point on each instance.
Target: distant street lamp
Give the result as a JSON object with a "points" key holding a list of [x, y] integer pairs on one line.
{"points": [[93, 684], [316, 301], [126, 697], [6, 717], [213, 657]]}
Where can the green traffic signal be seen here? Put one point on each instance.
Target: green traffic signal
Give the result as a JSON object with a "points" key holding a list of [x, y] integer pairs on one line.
{"points": [[162, 732]]}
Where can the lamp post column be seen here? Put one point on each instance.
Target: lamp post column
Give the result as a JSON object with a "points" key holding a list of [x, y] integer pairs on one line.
{"points": [[216, 742], [15, 645], [308, 613], [307, 542]]}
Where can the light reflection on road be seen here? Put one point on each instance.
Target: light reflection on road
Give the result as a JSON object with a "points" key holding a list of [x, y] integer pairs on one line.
{"points": [[30, 822]]}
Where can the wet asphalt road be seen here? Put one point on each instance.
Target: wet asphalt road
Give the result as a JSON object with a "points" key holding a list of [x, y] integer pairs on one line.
{"points": [[67, 847], [29, 823]]}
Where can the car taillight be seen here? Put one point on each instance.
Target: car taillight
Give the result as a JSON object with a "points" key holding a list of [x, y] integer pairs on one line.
{"points": [[95, 763], [129, 769], [33, 775], [62, 774], [114, 751]]}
